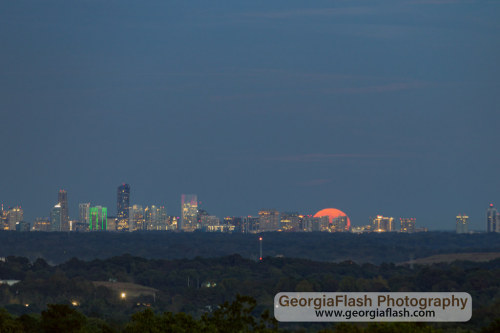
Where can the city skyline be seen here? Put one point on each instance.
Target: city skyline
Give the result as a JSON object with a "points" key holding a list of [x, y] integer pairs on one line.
{"points": [[371, 107], [192, 211]]}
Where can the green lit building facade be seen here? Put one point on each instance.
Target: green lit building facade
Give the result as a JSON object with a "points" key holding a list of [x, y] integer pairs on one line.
{"points": [[98, 218]]}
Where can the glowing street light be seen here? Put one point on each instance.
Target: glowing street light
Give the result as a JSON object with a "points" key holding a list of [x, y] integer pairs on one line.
{"points": [[123, 295]]}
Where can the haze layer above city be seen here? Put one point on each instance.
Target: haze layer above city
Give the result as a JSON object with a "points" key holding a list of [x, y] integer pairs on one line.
{"points": [[372, 107]]}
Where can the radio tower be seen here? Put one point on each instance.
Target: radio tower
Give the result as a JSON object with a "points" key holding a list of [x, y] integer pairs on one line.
{"points": [[260, 243]]}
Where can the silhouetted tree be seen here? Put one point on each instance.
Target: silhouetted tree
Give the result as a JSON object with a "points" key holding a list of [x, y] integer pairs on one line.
{"points": [[61, 318]]}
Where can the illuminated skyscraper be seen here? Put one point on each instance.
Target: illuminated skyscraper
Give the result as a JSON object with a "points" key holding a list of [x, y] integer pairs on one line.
{"points": [[155, 218], [84, 212], [4, 224], [289, 221], [492, 219], [233, 224], [382, 224], [310, 223], [407, 224], [14, 215], [339, 224], [56, 218], [122, 207], [123, 201], [189, 212], [251, 224], [42, 224], [462, 224], [269, 220], [63, 201], [98, 218], [136, 218]]}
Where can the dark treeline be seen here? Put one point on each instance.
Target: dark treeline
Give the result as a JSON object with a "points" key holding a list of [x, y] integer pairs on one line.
{"points": [[196, 287], [228, 318], [373, 248]]}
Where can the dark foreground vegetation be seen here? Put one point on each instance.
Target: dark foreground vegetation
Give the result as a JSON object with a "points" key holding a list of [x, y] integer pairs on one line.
{"points": [[193, 289], [55, 247], [228, 318]]}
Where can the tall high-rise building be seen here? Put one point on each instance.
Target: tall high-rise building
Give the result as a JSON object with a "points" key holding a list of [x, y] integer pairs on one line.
{"points": [[492, 219], [98, 218], [4, 225], [123, 201], [382, 224], [163, 219], [136, 218], [56, 218], [62, 198], [290, 221], [462, 224], [122, 207], [189, 212], [251, 224], [84, 212], [407, 224], [155, 218], [269, 220], [339, 224], [14, 215]]}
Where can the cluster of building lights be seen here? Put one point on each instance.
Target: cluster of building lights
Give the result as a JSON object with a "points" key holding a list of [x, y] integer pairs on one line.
{"points": [[136, 218]]}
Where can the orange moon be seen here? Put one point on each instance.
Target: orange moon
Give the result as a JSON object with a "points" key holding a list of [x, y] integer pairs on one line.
{"points": [[333, 213]]}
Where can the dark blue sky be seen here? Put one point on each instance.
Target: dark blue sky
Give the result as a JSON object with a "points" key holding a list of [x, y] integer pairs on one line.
{"points": [[372, 107]]}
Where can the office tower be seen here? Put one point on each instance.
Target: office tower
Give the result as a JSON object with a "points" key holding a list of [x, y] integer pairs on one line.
{"points": [[407, 224], [462, 224], [22, 226], [42, 224], [98, 218], [251, 224], [234, 224], [492, 219], [136, 218], [497, 222], [4, 224], [112, 223], [123, 202], [382, 224], [62, 198], [269, 220], [56, 218], [310, 223], [339, 224], [289, 221], [201, 213], [172, 223], [84, 212], [211, 223], [189, 212], [150, 217], [163, 218], [155, 218], [14, 215]]}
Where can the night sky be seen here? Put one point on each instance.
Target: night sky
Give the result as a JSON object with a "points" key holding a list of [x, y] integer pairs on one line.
{"points": [[371, 107]]}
